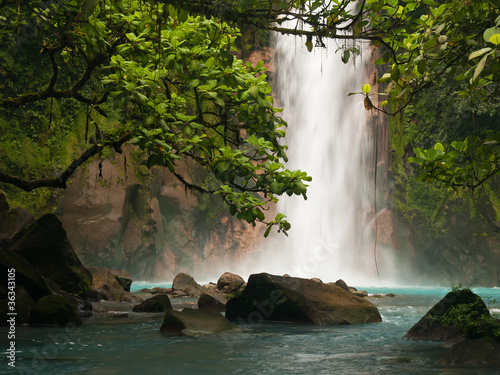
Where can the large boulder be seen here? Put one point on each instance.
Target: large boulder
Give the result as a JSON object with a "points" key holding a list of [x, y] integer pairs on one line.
{"points": [[187, 285], [229, 282], [428, 328], [158, 303], [212, 300], [277, 298], [192, 322], [54, 310], [24, 305], [108, 284], [26, 275], [45, 245], [473, 352]]}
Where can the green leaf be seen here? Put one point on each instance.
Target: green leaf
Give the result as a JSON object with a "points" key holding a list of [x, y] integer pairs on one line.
{"points": [[395, 73], [345, 57], [366, 88], [479, 67], [439, 147], [309, 45], [489, 33], [481, 52], [495, 39]]}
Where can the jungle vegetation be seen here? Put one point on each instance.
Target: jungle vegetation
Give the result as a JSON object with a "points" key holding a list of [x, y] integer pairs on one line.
{"points": [[80, 79]]}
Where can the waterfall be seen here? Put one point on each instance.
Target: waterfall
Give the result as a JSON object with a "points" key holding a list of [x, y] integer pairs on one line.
{"points": [[328, 136]]}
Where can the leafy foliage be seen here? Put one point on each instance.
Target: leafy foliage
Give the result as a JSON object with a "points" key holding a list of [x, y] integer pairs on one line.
{"points": [[152, 75]]}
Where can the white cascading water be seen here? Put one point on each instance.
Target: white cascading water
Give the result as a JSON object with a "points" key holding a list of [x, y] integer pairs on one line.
{"points": [[328, 137]]}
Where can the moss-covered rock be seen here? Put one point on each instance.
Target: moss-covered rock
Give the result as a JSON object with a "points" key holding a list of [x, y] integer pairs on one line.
{"points": [[431, 326], [46, 246], [54, 310]]}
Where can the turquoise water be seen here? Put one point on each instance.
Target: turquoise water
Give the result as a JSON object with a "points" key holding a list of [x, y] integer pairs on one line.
{"points": [[133, 345]]}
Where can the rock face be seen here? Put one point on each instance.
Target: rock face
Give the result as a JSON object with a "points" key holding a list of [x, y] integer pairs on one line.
{"points": [[229, 282], [146, 222], [191, 322], [53, 310], [424, 329], [277, 298], [158, 303], [45, 245]]}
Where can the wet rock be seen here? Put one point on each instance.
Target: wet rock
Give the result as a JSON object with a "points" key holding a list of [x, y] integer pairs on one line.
{"points": [[192, 322], [342, 284], [132, 298], [187, 285], [45, 245], [105, 284], [277, 298], [229, 282], [425, 329], [53, 310], [158, 290], [212, 300], [473, 352], [360, 293], [158, 303], [210, 286]]}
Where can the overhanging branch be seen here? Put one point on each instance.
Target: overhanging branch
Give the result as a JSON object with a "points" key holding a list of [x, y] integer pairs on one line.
{"points": [[60, 182]]}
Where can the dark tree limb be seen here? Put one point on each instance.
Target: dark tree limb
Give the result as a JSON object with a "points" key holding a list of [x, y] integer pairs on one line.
{"points": [[60, 182]]}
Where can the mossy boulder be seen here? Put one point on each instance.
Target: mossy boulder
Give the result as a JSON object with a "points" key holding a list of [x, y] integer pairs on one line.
{"points": [[192, 322], [276, 298], [45, 245], [54, 310], [158, 303], [429, 327]]}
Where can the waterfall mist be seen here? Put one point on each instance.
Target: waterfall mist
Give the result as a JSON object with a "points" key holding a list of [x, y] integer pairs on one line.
{"points": [[328, 136]]}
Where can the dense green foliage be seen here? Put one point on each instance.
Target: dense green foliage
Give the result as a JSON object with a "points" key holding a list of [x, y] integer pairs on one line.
{"points": [[163, 76], [148, 74]]}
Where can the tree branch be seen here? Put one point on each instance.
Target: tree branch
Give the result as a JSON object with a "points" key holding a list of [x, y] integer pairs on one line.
{"points": [[60, 182]]}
